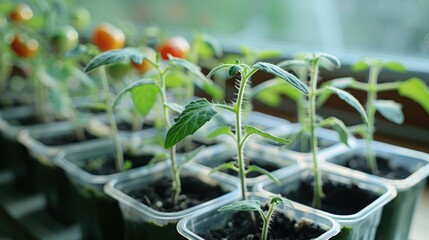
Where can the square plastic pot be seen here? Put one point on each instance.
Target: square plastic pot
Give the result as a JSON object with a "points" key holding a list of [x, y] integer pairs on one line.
{"points": [[98, 214], [328, 141], [397, 215], [357, 226], [210, 219], [143, 222]]}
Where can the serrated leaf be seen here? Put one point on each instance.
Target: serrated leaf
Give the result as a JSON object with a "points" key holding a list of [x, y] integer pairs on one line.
{"points": [[144, 97], [195, 115], [338, 126], [225, 166], [417, 90], [279, 72], [114, 56], [253, 130], [391, 110], [139, 83], [219, 131], [254, 168], [331, 58], [360, 66], [395, 66], [352, 101], [242, 206]]}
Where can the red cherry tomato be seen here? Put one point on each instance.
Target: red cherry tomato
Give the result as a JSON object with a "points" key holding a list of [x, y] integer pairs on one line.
{"points": [[175, 46], [108, 37], [24, 47], [145, 66], [21, 13]]}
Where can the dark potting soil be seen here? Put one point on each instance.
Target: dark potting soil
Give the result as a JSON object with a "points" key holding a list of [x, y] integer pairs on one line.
{"points": [[158, 195], [386, 168], [270, 167], [105, 165], [240, 227], [339, 198], [65, 139]]}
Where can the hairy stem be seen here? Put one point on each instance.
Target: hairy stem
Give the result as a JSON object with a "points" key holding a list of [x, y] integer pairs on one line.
{"points": [[318, 191], [370, 111], [115, 135], [267, 220]]}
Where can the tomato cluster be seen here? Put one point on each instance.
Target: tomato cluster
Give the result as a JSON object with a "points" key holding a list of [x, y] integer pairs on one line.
{"points": [[23, 46]]}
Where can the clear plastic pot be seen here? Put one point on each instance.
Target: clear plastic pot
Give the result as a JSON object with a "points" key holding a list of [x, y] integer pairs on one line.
{"points": [[98, 214], [360, 225], [397, 215], [210, 219], [143, 222]]}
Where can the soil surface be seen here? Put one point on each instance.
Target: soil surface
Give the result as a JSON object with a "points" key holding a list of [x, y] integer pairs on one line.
{"points": [[105, 165], [385, 167], [240, 227], [65, 139], [158, 194], [339, 198]]}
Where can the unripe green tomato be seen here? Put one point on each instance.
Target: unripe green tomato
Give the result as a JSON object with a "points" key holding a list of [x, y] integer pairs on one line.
{"points": [[64, 39], [119, 70], [80, 18]]}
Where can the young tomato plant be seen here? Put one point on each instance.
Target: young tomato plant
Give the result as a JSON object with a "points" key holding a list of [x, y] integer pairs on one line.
{"points": [[146, 91], [255, 206], [198, 112], [412, 88]]}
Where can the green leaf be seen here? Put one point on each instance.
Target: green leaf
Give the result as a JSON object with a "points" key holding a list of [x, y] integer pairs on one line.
{"points": [[269, 92], [338, 126], [144, 97], [218, 68], [391, 110], [341, 83], [195, 115], [139, 83], [360, 66], [242, 206], [331, 58], [417, 90], [128, 164], [234, 69], [252, 130], [352, 101], [162, 156], [254, 168], [278, 199], [225, 166], [175, 107], [219, 131], [277, 71], [114, 56], [395, 66], [359, 129]]}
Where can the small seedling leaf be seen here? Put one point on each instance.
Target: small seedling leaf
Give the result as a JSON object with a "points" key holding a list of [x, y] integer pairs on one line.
{"points": [[162, 156], [331, 58], [242, 206], [294, 63], [253, 130], [114, 56], [139, 83], [175, 107], [234, 69], [391, 110], [220, 67], [352, 101], [360, 66], [195, 115], [219, 131], [395, 66], [225, 166], [278, 199], [254, 168], [338, 126], [417, 90], [279, 72], [340, 83], [270, 92], [144, 97]]}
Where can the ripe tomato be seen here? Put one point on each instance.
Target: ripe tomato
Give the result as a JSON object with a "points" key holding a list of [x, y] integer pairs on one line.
{"points": [[64, 39], [145, 66], [175, 46], [21, 13], [24, 47], [108, 37]]}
